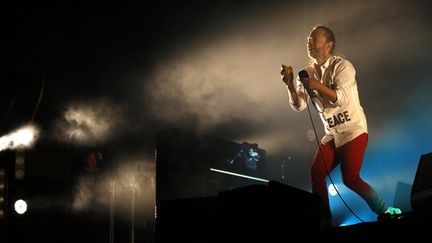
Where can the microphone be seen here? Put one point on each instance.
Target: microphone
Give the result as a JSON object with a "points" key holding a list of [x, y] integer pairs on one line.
{"points": [[313, 94], [303, 74]]}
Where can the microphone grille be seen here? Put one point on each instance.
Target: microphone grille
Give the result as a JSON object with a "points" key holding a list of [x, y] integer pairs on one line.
{"points": [[303, 74]]}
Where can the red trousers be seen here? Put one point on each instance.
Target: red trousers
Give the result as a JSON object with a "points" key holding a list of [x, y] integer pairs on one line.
{"points": [[350, 157]]}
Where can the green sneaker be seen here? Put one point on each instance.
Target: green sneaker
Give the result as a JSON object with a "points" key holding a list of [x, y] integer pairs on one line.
{"points": [[390, 214], [393, 211]]}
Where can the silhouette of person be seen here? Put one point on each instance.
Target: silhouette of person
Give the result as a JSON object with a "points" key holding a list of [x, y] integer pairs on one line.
{"points": [[92, 196]]}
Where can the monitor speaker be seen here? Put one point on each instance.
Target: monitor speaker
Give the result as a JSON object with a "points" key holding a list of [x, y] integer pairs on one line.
{"points": [[421, 192], [267, 212]]}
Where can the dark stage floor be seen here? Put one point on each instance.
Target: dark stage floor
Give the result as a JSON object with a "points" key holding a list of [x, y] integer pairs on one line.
{"points": [[412, 227], [202, 227]]}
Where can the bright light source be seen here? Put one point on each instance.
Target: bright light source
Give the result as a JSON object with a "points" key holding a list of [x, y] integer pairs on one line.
{"points": [[23, 137], [332, 189], [20, 206]]}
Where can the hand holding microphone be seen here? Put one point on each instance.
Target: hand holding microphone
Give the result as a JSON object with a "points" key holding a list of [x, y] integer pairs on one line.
{"points": [[304, 78], [313, 93], [307, 81], [310, 84]]}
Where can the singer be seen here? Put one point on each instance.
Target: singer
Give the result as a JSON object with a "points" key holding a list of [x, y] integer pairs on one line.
{"points": [[331, 79]]}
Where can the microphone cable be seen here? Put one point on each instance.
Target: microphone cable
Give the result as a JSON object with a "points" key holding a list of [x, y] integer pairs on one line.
{"points": [[325, 166]]}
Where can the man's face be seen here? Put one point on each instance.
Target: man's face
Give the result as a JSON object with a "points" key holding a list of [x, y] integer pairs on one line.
{"points": [[317, 45]]}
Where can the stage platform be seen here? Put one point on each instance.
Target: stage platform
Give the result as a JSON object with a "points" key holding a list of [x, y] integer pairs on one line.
{"points": [[272, 213]]}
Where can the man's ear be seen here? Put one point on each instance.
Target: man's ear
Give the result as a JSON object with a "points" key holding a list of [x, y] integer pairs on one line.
{"points": [[330, 45]]}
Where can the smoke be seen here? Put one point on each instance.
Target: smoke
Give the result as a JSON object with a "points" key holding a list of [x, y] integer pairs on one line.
{"points": [[227, 81], [88, 193], [90, 122], [130, 185], [136, 185]]}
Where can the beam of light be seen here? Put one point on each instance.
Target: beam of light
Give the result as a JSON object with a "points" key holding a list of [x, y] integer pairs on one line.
{"points": [[346, 212], [20, 206], [21, 138], [351, 220], [239, 175]]}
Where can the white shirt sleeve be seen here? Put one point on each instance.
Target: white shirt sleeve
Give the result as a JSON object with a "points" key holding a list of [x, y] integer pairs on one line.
{"points": [[301, 94]]}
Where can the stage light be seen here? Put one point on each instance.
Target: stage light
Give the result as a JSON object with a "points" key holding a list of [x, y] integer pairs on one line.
{"points": [[20, 206], [332, 189], [21, 138], [24, 136]]}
